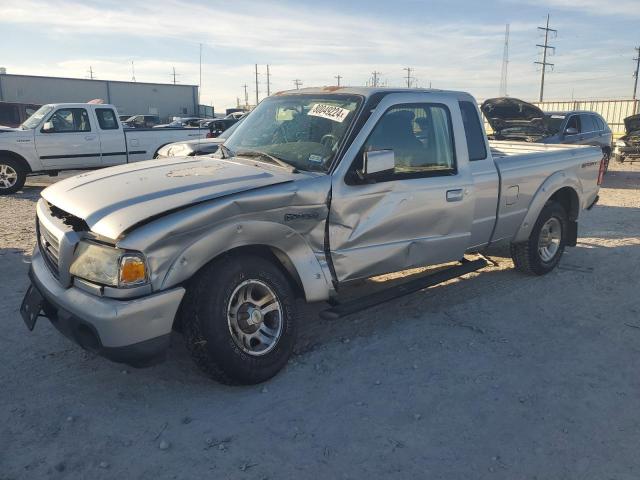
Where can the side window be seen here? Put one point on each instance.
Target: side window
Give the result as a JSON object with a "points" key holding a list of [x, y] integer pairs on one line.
{"points": [[473, 131], [70, 120], [106, 119], [573, 122], [421, 137], [587, 123], [599, 123]]}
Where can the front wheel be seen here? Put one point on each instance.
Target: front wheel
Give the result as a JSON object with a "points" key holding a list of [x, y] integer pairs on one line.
{"points": [[542, 251], [12, 176], [239, 320]]}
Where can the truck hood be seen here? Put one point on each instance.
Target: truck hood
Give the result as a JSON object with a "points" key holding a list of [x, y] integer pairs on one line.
{"points": [[113, 200], [632, 123], [506, 112]]}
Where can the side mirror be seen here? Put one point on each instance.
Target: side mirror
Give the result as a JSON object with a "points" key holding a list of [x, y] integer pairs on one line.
{"points": [[571, 131], [47, 127], [376, 161]]}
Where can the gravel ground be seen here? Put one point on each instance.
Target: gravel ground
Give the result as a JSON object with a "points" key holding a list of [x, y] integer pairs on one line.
{"points": [[497, 375]]}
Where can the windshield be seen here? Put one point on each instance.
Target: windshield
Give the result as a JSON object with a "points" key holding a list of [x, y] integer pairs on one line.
{"points": [[554, 122], [34, 120], [304, 131]]}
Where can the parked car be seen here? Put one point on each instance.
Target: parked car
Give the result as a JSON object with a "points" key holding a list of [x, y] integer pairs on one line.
{"points": [[13, 114], [182, 122], [236, 115], [142, 121], [217, 127], [628, 146], [514, 119], [316, 188], [192, 148], [71, 136]]}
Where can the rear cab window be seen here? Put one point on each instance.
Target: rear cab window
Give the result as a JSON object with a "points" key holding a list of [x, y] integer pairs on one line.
{"points": [[107, 119], [473, 131]]}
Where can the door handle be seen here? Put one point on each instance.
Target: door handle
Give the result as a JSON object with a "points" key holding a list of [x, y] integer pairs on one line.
{"points": [[89, 137], [455, 195]]}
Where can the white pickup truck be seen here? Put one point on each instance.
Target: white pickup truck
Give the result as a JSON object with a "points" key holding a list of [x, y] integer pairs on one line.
{"points": [[71, 136]]}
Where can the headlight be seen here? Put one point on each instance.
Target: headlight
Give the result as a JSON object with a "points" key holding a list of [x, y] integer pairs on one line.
{"points": [[108, 266], [620, 143]]}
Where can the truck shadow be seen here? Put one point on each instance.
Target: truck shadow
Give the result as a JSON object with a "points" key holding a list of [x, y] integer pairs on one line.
{"points": [[622, 179]]}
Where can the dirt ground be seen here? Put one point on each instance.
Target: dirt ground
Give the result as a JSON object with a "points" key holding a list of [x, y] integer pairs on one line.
{"points": [[497, 375]]}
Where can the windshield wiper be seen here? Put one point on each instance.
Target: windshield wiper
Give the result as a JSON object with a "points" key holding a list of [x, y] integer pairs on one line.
{"points": [[272, 158]]}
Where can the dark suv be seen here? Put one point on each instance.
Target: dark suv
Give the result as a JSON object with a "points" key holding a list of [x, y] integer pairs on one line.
{"points": [[513, 119]]}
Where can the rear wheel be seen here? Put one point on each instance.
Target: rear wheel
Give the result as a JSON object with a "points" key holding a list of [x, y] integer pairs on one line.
{"points": [[239, 320], [12, 176], [542, 251]]}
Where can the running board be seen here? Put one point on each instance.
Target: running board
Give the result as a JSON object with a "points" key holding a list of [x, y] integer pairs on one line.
{"points": [[368, 301]]}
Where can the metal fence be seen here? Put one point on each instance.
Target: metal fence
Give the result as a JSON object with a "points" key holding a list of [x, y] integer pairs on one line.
{"points": [[613, 111]]}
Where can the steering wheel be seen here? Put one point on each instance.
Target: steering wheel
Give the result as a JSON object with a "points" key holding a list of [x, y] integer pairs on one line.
{"points": [[329, 141]]}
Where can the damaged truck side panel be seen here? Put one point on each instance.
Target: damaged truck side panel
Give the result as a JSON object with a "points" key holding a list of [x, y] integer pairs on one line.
{"points": [[316, 188]]}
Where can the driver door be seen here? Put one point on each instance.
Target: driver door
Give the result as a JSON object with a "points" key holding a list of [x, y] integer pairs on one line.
{"points": [[418, 214], [72, 142]]}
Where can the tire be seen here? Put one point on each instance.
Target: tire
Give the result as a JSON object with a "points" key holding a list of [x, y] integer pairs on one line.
{"points": [[217, 318], [532, 258], [12, 175]]}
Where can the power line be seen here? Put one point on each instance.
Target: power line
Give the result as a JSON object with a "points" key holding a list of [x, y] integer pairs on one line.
{"points": [[268, 82], [298, 83], [635, 74], [246, 95], [338, 77], [545, 47], [409, 78], [505, 63], [375, 78]]}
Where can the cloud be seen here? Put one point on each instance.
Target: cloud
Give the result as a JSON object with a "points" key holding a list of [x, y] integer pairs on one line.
{"points": [[313, 44]]}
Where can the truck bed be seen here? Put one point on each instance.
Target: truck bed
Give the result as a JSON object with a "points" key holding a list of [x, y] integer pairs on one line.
{"points": [[502, 148]]}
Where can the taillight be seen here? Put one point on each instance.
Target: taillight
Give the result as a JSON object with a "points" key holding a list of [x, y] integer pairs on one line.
{"points": [[602, 170]]}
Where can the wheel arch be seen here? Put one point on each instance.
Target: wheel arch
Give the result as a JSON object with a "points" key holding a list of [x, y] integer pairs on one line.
{"points": [[276, 242], [16, 156], [558, 187]]}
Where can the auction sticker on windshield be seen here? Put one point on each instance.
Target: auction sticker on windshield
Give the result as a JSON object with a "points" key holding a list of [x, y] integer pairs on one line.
{"points": [[331, 112]]}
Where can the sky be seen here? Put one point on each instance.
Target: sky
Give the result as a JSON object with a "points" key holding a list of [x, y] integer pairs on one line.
{"points": [[449, 44]]}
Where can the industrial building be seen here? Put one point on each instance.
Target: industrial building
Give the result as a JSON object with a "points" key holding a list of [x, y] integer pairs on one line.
{"points": [[164, 100]]}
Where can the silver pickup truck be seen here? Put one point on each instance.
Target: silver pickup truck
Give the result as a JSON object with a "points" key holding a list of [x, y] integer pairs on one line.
{"points": [[316, 188]]}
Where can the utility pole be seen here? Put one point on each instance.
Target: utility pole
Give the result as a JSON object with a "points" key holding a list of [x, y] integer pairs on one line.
{"points": [[408, 70], [200, 81], [545, 47], [174, 75], [298, 83], [505, 63], [91, 77], [133, 72], [268, 82], [338, 77], [246, 96], [257, 98], [635, 83]]}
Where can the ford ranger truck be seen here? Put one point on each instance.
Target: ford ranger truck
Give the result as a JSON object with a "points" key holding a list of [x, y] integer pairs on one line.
{"points": [[77, 136], [315, 188]]}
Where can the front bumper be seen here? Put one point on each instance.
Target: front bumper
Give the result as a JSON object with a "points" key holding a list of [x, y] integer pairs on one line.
{"points": [[134, 331], [627, 153]]}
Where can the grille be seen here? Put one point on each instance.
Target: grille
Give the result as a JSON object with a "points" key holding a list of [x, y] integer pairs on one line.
{"points": [[50, 248]]}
